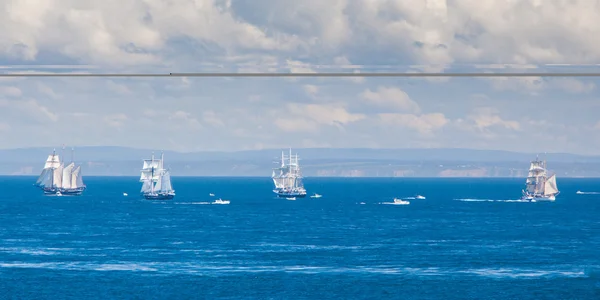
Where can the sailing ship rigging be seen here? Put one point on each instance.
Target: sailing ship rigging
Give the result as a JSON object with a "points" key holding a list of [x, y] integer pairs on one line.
{"points": [[56, 179], [538, 186], [288, 178], [156, 180]]}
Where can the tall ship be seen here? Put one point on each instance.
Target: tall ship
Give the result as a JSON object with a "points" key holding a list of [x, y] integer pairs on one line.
{"points": [[56, 179], [288, 177], [156, 180], [538, 186]]}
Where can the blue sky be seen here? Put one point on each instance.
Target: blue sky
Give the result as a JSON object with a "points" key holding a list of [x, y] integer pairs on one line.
{"points": [[190, 114]]}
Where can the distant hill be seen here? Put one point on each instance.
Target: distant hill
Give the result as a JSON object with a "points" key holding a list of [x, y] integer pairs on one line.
{"points": [[117, 161]]}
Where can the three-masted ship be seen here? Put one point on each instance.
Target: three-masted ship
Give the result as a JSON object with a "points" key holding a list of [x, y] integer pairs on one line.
{"points": [[156, 180], [56, 179], [288, 177], [538, 186]]}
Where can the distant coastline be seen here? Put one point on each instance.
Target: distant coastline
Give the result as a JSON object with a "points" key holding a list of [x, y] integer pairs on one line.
{"points": [[316, 162]]}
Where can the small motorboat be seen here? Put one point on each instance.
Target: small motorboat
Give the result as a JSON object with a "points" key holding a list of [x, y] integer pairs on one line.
{"points": [[400, 201], [221, 201]]}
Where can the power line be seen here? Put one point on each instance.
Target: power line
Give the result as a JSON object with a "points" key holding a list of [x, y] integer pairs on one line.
{"points": [[302, 74]]}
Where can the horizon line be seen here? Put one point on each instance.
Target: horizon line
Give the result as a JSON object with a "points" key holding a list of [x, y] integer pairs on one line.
{"points": [[314, 148], [269, 177]]}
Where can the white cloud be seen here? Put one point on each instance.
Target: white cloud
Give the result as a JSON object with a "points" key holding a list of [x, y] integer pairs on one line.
{"points": [[327, 113], [303, 36], [392, 98], [534, 85], [211, 118], [424, 124], [297, 124], [10, 91], [482, 118], [574, 86]]}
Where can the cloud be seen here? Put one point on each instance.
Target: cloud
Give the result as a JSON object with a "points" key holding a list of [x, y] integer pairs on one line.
{"points": [[211, 118], [534, 85], [424, 124], [305, 36], [297, 124], [309, 117], [10, 91], [392, 98], [484, 118], [574, 86]]}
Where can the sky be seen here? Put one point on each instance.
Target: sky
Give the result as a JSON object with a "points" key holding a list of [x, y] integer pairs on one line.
{"points": [[195, 114]]}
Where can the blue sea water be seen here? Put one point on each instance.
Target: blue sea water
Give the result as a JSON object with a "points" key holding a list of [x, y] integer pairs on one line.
{"points": [[469, 239]]}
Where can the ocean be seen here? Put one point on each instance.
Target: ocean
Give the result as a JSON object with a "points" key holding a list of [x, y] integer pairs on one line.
{"points": [[470, 239]]}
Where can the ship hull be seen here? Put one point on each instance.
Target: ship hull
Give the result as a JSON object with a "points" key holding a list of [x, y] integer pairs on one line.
{"points": [[539, 198], [290, 194], [159, 196], [49, 192], [72, 192], [63, 192]]}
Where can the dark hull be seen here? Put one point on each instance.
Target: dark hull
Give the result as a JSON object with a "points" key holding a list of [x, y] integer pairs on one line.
{"points": [[72, 192], [158, 196], [50, 191], [63, 192], [290, 195]]}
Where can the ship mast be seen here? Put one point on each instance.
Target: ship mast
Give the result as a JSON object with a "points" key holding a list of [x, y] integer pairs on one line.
{"points": [[152, 175], [53, 168]]}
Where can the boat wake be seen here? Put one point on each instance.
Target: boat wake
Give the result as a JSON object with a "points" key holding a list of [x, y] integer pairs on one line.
{"points": [[418, 197], [395, 203], [587, 193], [192, 203], [490, 200]]}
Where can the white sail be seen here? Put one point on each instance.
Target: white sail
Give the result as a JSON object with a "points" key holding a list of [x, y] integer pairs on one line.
{"points": [[79, 178], [66, 176], [48, 178], [158, 185], [151, 170], [42, 176], [146, 187], [550, 187], [149, 175], [154, 177], [166, 182], [58, 175], [536, 177], [76, 180], [53, 161], [288, 176], [151, 163]]}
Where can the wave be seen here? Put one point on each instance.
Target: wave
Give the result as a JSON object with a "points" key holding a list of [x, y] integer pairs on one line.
{"points": [[206, 268]]}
